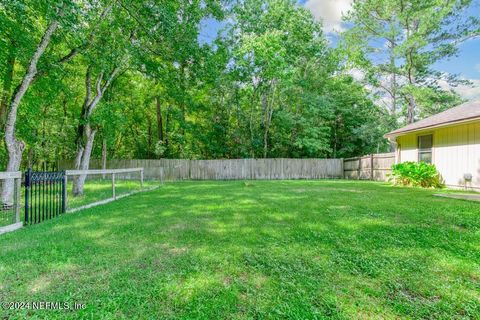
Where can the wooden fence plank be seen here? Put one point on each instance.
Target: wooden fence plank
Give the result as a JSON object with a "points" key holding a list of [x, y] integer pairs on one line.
{"points": [[231, 169], [373, 167]]}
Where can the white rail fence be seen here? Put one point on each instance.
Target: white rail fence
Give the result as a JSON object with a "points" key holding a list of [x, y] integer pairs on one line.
{"points": [[113, 173], [10, 212]]}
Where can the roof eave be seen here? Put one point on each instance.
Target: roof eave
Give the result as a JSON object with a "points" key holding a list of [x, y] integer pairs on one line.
{"points": [[394, 134]]}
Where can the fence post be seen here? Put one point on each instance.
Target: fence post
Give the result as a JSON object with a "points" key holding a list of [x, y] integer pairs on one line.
{"points": [[141, 178], [18, 187], [64, 192], [371, 167], [359, 169], [113, 186]]}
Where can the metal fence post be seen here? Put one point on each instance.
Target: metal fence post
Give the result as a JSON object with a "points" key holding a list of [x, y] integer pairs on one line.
{"points": [[141, 178], [64, 192]]}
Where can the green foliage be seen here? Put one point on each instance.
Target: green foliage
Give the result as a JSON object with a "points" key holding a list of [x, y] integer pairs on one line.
{"points": [[268, 85], [396, 43], [416, 174]]}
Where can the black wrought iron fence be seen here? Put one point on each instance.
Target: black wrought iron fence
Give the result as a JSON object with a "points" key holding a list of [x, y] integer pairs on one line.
{"points": [[45, 195]]}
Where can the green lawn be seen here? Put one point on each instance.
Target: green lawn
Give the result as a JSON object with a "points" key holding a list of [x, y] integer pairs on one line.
{"points": [[7, 216], [261, 249]]}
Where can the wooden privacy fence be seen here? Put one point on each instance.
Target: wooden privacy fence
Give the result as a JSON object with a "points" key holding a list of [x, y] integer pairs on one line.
{"points": [[236, 169], [371, 167]]}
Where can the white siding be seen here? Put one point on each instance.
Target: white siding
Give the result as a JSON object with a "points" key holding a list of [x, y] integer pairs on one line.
{"points": [[456, 151]]}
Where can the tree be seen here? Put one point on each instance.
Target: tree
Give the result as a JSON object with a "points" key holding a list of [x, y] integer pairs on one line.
{"points": [[14, 146], [64, 13], [275, 46], [107, 53], [396, 42], [85, 133]]}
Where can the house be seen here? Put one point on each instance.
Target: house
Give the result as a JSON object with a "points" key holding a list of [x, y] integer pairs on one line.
{"points": [[450, 140]]}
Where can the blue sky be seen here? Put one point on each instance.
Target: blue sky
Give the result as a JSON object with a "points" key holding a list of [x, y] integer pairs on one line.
{"points": [[466, 64]]}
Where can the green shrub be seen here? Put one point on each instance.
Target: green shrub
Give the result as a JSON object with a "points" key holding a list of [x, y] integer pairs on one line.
{"points": [[416, 174]]}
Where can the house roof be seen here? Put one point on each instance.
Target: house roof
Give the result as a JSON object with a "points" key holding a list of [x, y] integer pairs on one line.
{"points": [[463, 112]]}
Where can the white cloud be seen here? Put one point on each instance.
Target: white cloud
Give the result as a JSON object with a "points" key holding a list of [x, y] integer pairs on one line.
{"points": [[330, 12], [467, 92], [477, 67]]}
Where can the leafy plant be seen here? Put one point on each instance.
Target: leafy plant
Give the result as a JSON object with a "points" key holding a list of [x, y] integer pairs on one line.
{"points": [[416, 174]]}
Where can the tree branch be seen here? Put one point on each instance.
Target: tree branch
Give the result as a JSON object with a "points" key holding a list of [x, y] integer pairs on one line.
{"points": [[78, 49]]}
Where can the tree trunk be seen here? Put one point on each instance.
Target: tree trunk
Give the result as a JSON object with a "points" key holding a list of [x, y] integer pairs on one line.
{"points": [[7, 85], [159, 119], [15, 147], [265, 135], [167, 118], [85, 135], [268, 113], [412, 106], [393, 108], [150, 150], [265, 126], [83, 159]]}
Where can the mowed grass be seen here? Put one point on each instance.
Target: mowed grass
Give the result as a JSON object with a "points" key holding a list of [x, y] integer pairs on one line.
{"points": [[7, 216], [258, 250]]}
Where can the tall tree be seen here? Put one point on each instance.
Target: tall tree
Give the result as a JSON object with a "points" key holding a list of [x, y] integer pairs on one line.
{"points": [[107, 53], [396, 42], [85, 133], [14, 146], [56, 14]]}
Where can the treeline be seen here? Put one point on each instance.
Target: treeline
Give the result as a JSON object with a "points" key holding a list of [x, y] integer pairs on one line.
{"points": [[135, 79]]}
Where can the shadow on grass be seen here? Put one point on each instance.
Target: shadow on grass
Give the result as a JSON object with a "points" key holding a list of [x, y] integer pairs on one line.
{"points": [[273, 249]]}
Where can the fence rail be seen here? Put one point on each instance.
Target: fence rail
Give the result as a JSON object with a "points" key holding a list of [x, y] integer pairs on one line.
{"points": [[113, 173], [232, 169], [101, 171], [10, 175], [371, 167]]}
